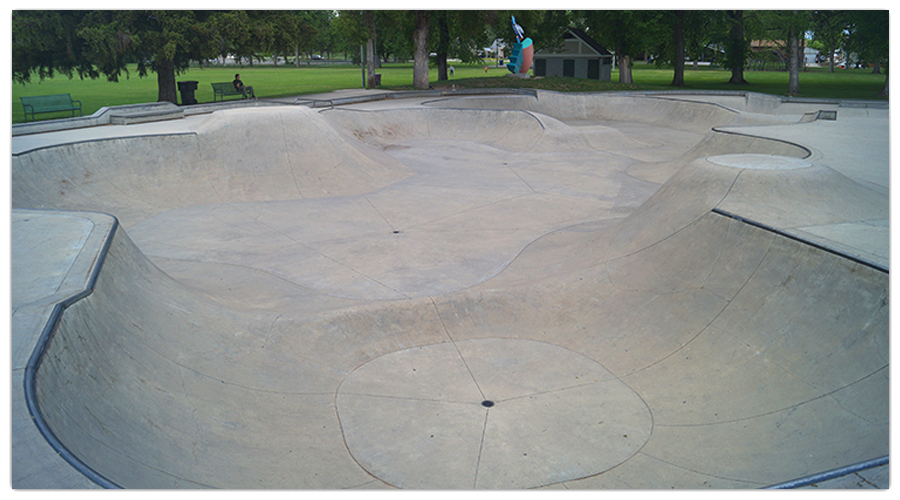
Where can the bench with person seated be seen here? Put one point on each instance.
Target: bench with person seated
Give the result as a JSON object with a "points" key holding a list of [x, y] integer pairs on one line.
{"points": [[223, 89], [50, 104]]}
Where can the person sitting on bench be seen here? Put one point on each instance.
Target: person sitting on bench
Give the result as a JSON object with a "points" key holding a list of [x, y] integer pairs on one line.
{"points": [[239, 85]]}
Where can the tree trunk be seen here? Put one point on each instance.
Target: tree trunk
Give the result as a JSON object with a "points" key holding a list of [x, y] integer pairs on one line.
{"points": [[443, 45], [884, 90], [420, 38], [369, 20], [370, 63], [375, 52], [737, 46], [794, 75], [165, 81], [625, 69], [678, 79], [442, 66]]}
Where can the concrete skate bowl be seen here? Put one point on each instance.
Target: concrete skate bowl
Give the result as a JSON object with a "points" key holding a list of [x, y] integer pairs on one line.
{"points": [[460, 298]]}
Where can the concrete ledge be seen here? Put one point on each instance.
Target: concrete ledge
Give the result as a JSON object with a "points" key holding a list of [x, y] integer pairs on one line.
{"points": [[819, 115], [131, 114], [142, 113], [407, 94]]}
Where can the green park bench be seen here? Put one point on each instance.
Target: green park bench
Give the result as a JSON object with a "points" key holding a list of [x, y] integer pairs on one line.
{"points": [[50, 104], [222, 89]]}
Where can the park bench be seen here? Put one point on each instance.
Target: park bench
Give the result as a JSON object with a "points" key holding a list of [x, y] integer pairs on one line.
{"points": [[222, 89], [50, 104]]}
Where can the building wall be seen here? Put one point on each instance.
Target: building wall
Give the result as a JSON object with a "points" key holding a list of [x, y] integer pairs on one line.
{"points": [[577, 60], [578, 67]]}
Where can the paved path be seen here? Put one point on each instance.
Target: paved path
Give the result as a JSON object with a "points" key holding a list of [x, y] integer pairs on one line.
{"points": [[567, 291]]}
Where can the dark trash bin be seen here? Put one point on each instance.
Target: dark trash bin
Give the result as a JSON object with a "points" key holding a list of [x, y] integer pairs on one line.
{"points": [[377, 80], [187, 89]]}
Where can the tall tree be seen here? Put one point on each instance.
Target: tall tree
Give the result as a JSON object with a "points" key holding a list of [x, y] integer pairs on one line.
{"points": [[325, 40], [369, 27], [737, 47], [91, 43], [285, 32], [869, 37], [47, 42], [794, 71], [235, 34], [627, 32], [788, 28], [420, 57], [459, 34], [167, 42], [394, 35], [360, 28], [679, 47], [442, 21], [678, 34], [829, 27]]}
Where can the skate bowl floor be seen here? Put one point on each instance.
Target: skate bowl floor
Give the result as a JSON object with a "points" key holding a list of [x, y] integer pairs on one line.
{"points": [[599, 291]]}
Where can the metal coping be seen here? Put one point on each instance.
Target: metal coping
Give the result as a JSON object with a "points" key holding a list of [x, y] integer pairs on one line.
{"points": [[37, 357], [858, 260], [720, 130], [831, 474]]}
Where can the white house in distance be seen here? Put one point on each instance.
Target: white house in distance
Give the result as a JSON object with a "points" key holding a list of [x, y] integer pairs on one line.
{"points": [[581, 57]]}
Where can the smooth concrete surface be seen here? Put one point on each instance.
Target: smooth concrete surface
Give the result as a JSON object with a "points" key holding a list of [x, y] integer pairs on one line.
{"points": [[460, 293]]}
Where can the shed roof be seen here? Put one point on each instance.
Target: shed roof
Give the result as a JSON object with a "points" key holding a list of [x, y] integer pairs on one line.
{"points": [[584, 38]]}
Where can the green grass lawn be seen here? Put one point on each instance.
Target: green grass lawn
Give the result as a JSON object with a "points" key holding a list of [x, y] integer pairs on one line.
{"points": [[285, 81]]}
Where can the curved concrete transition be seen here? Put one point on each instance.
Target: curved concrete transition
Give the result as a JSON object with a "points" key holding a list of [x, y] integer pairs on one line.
{"points": [[580, 291]]}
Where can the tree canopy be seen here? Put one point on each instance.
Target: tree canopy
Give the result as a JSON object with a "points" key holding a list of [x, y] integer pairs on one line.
{"points": [[91, 44]]}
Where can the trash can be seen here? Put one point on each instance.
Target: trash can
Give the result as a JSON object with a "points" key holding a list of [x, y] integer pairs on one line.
{"points": [[187, 89], [377, 81]]}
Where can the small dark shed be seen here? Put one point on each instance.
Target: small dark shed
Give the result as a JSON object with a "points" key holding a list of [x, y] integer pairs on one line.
{"points": [[580, 57]]}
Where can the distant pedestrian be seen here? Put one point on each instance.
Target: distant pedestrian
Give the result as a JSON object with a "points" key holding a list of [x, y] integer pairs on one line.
{"points": [[239, 85], [452, 69]]}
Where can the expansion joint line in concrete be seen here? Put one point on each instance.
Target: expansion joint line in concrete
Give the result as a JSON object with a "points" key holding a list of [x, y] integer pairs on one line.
{"points": [[712, 320], [287, 148], [37, 357], [799, 239], [696, 471], [475, 380], [452, 341], [480, 449], [386, 221]]}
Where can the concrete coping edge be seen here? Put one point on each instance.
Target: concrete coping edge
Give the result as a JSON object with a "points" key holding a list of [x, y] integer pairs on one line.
{"points": [[799, 239], [37, 357], [104, 115]]}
